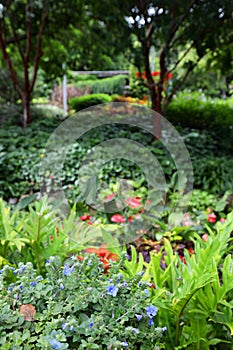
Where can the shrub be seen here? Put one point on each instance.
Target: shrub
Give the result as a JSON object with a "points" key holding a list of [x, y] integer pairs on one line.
{"points": [[111, 85], [76, 306], [79, 103], [196, 111]]}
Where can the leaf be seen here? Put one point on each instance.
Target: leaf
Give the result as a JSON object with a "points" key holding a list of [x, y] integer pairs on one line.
{"points": [[28, 311], [25, 201]]}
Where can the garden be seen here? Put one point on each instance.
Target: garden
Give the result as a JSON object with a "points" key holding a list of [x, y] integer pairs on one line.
{"points": [[116, 192]]}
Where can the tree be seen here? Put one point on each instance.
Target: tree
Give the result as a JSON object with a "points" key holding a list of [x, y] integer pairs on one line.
{"points": [[76, 31], [175, 27], [20, 30]]}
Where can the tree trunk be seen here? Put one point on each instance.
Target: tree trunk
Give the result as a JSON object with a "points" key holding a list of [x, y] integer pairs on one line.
{"points": [[153, 94], [26, 110]]}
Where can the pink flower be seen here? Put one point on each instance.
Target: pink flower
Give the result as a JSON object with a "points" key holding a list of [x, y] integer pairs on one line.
{"points": [[111, 196], [205, 237], [117, 218], [222, 220], [212, 218], [209, 210], [134, 202], [85, 217], [186, 221]]}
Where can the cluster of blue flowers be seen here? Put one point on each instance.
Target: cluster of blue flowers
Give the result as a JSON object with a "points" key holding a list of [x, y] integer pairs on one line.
{"points": [[68, 270]]}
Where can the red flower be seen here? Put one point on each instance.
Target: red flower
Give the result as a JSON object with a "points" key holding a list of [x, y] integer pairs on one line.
{"points": [[169, 76], [104, 255], [222, 220], [212, 218], [130, 218], [191, 251], [117, 218], [182, 258], [134, 202], [85, 217], [155, 74], [205, 237], [51, 238], [79, 257], [111, 196]]}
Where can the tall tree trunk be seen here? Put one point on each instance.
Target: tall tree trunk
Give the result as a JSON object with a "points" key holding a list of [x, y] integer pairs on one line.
{"points": [[26, 109], [153, 94]]}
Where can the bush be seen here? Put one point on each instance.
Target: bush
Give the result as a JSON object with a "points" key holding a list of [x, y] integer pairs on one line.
{"points": [[195, 111], [79, 103], [76, 306], [112, 85], [81, 77]]}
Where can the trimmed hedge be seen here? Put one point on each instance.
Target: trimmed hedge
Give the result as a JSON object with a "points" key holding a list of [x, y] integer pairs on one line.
{"points": [[79, 103], [112, 85], [195, 111]]}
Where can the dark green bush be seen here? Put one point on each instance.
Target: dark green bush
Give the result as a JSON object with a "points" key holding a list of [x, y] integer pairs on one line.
{"points": [[195, 111], [112, 85], [79, 103]]}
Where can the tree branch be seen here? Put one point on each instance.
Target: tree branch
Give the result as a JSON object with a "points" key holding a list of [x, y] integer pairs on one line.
{"points": [[15, 35], [181, 58], [9, 63], [176, 88], [38, 48]]}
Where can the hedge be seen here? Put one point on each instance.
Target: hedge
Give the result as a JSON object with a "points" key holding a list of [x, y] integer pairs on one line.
{"points": [[195, 111], [112, 85], [79, 103]]}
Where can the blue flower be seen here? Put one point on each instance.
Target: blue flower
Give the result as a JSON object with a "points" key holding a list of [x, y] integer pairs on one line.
{"points": [[146, 291], [61, 286], [55, 344], [124, 284], [64, 325], [139, 317], [71, 328], [151, 311], [22, 268], [32, 284], [91, 324], [67, 270], [10, 289], [135, 330], [164, 329], [124, 343], [112, 290], [150, 322]]}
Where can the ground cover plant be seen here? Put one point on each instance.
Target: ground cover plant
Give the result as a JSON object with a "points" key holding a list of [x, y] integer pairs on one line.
{"points": [[20, 161], [103, 298]]}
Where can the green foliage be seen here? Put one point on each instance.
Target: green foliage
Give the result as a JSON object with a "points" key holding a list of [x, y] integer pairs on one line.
{"points": [[37, 234], [196, 111], [214, 174], [79, 103], [77, 78], [21, 152], [77, 307], [194, 294], [111, 85]]}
